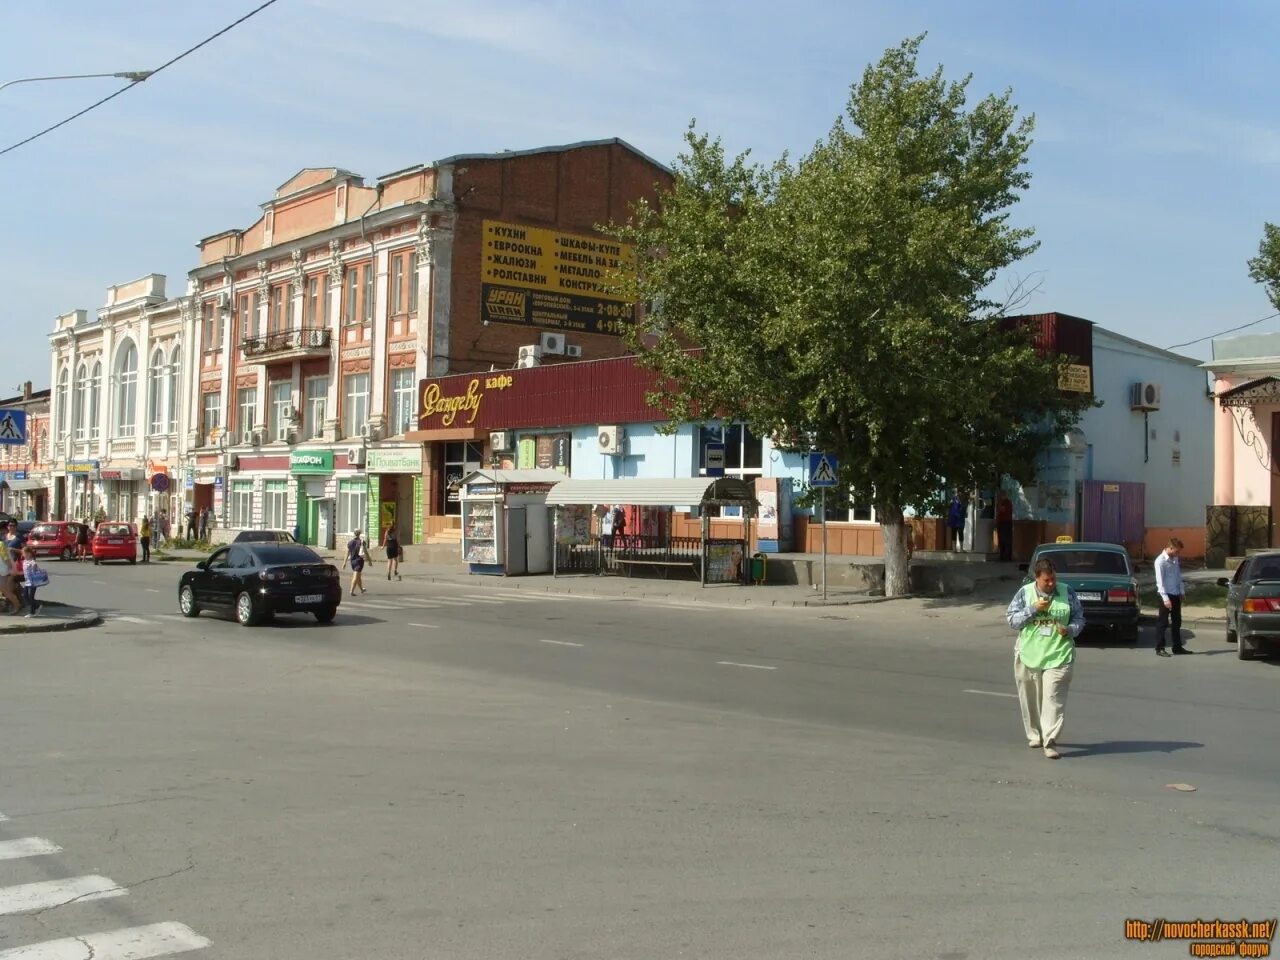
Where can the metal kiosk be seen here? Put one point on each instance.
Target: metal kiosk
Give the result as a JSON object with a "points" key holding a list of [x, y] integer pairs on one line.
{"points": [[506, 529]]}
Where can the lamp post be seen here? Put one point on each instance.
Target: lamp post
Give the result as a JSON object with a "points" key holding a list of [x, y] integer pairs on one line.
{"points": [[134, 76]]}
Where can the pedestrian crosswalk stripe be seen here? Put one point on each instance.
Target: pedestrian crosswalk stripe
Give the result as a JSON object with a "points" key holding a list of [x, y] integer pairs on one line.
{"points": [[3, 818], [501, 598], [27, 847], [129, 943], [418, 601], [26, 897], [479, 600], [126, 619]]}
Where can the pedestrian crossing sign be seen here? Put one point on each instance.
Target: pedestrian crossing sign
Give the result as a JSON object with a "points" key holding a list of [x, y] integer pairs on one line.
{"points": [[13, 426], [823, 470]]}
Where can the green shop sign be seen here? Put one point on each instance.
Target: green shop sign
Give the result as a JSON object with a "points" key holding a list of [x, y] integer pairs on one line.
{"points": [[311, 461]]}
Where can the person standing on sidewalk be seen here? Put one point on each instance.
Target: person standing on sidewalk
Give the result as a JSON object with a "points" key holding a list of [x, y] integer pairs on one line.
{"points": [[1004, 527], [1169, 586], [1048, 617], [955, 522], [144, 538]]}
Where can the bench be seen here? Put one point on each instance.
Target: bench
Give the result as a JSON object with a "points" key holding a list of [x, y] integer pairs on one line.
{"points": [[664, 565]]}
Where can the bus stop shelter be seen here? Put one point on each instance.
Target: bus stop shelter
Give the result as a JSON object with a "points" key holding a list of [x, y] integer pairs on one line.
{"points": [[713, 560]]}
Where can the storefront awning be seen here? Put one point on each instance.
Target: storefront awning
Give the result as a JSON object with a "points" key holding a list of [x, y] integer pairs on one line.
{"points": [[25, 485], [656, 492]]}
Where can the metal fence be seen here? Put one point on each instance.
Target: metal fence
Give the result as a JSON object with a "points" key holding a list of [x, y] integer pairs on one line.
{"points": [[686, 557]]}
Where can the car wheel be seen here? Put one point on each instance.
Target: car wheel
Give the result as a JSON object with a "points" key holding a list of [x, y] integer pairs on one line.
{"points": [[67, 554], [187, 602], [247, 614], [96, 561], [133, 559], [326, 614], [1232, 636], [1130, 634], [1243, 650]]}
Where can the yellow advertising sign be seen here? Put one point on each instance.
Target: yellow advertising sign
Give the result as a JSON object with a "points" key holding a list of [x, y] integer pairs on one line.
{"points": [[1076, 378], [535, 258]]}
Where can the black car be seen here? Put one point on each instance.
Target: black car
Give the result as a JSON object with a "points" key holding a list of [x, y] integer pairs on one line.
{"points": [[264, 536], [1253, 605], [254, 581]]}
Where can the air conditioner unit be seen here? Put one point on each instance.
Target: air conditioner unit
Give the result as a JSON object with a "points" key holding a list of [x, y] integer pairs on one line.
{"points": [[366, 429], [500, 441], [255, 437], [355, 455], [529, 356], [1144, 396], [291, 436], [527, 362], [193, 439], [224, 301], [609, 440], [572, 350], [233, 462], [551, 343]]}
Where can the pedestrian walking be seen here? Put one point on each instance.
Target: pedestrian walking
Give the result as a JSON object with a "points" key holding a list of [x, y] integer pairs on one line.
{"points": [[606, 527], [1004, 527], [955, 522], [192, 517], [357, 551], [204, 523], [144, 538], [34, 577], [9, 582], [1169, 586], [158, 534], [394, 552], [1048, 617], [82, 542]]}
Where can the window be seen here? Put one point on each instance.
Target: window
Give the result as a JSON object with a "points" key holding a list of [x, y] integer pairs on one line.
{"points": [[315, 305], [313, 411], [156, 377], [460, 459], [210, 413], [279, 417], [246, 411], [242, 503], [275, 504], [127, 390], [210, 328], [351, 297], [398, 278], [91, 408], [352, 498], [62, 412], [743, 456], [278, 315], [402, 400], [175, 380], [355, 407], [413, 282], [246, 320], [366, 273], [80, 411]]}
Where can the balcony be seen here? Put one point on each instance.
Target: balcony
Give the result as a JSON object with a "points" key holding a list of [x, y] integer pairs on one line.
{"points": [[288, 345]]}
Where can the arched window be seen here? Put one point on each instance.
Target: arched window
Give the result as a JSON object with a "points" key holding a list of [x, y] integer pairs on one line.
{"points": [[127, 390], [157, 374], [62, 418], [80, 408], [175, 387], [95, 394]]}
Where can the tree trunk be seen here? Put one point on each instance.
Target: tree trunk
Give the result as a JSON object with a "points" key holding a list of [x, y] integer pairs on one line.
{"points": [[897, 553]]}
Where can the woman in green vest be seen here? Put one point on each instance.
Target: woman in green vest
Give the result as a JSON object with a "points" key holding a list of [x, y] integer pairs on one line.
{"points": [[1048, 617]]}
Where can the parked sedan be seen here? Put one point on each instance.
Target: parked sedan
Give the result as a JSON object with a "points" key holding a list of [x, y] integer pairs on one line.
{"points": [[254, 581], [1101, 574], [115, 541], [56, 538], [1253, 605]]}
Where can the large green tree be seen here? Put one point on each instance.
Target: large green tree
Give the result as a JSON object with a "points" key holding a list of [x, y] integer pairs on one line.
{"points": [[1265, 267], [840, 297]]}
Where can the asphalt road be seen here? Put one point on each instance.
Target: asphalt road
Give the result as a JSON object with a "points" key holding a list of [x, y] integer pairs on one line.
{"points": [[471, 771]]}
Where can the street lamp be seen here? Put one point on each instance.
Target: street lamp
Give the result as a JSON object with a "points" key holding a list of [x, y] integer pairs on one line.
{"points": [[133, 76]]}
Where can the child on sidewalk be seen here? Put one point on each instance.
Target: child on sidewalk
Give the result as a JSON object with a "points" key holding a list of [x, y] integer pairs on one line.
{"points": [[34, 576]]}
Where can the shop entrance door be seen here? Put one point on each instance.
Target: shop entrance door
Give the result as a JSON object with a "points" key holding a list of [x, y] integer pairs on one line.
{"points": [[538, 538], [324, 523], [517, 548]]}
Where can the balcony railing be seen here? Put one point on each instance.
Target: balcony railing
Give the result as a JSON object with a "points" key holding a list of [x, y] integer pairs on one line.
{"points": [[306, 341]]}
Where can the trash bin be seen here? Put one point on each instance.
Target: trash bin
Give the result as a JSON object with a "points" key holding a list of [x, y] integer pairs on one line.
{"points": [[759, 566]]}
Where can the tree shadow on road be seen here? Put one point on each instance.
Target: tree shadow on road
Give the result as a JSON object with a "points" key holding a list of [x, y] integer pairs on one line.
{"points": [[1125, 746]]}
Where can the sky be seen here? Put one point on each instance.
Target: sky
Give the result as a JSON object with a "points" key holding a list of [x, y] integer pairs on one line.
{"points": [[1156, 147]]}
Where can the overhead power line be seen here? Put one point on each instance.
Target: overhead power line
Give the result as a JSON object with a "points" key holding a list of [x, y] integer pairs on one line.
{"points": [[1223, 333], [94, 106]]}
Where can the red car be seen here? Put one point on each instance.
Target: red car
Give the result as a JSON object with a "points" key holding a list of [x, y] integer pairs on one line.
{"points": [[115, 541], [55, 539]]}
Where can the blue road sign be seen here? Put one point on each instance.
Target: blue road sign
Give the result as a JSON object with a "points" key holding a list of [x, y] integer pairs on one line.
{"points": [[823, 470], [13, 426], [714, 459]]}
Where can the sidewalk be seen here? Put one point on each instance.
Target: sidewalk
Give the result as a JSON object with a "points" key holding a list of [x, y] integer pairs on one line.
{"points": [[51, 618]]}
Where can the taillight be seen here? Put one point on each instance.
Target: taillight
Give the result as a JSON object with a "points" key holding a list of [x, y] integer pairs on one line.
{"points": [[332, 573], [1262, 605], [270, 575], [1121, 595]]}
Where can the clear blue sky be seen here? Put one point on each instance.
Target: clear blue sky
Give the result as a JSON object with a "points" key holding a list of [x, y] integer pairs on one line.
{"points": [[1154, 167]]}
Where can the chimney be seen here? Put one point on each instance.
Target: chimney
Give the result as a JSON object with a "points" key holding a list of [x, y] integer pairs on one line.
{"points": [[26, 390]]}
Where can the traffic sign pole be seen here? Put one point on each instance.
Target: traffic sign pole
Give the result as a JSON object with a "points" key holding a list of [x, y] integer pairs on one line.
{"points": [[824, 544]]}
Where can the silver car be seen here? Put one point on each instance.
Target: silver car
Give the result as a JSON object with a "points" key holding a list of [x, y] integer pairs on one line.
{"points": [[1253, 604]]}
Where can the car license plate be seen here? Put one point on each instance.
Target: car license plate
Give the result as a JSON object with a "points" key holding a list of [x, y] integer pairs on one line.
{"points": [[116, 543], [1092, 597], [310, 598]]}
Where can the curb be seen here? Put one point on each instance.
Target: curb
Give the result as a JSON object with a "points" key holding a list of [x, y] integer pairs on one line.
{"points": [[84, 617]]}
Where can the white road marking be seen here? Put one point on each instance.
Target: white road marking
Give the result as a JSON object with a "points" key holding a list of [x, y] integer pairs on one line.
{"points": [[749, 666], [470, 600], [27, 847], [560, 643], [993, 693], [52, 893], [428, 626], [490, 599], [101, 583], [3, 817], [153, 589], [419, 602], [130, 943], [377, 605], [123, 619]]}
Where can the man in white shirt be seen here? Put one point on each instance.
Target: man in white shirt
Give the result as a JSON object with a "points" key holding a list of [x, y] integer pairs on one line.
{"points": [[1169, 586]]}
